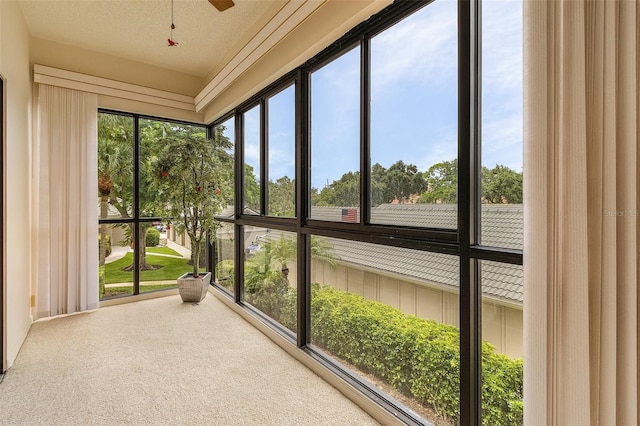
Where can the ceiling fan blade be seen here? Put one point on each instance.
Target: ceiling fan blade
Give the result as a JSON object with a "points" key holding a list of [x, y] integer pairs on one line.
{"points": [[222, 5]]}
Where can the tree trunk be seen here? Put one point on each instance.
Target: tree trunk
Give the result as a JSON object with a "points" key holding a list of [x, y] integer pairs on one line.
{"points": [[140, 246], [195, 251], [103, 230]]}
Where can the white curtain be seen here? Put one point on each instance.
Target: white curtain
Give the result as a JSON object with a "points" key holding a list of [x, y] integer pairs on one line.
{"points": [[67, 201], [582, 210]]}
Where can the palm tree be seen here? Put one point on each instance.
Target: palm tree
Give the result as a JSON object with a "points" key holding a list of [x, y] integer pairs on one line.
{"points": [[115, 168]]}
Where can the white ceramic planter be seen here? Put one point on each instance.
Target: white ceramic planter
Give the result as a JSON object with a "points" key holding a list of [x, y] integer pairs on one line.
{"points": [[193, 289]]}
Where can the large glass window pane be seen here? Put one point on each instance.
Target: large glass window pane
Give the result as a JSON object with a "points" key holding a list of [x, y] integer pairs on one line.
{"points": [[163, 261], [282, 153], [226, 131], [335, 139], [502, 349], [115, 166], [270, 273], [414, 120], [116, 264], [224, 245], [252, 161], [391, 314], [153, 138], [502, 126]]}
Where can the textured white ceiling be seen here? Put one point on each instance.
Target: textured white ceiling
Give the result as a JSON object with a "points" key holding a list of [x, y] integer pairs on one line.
{"points": [[139, 29]]}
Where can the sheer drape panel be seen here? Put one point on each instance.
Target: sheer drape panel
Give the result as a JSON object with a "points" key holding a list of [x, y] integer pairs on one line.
{"points": [[67, 204], [581, 212]]}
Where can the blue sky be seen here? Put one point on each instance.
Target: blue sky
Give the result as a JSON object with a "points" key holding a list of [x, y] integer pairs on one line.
{"points": [[413, 98]]}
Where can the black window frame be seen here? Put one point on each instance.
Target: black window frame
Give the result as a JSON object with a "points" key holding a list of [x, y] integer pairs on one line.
{"points": [[463, 242], [136, 219]]}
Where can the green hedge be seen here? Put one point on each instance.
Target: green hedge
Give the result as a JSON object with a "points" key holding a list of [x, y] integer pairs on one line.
{"points": [[418, 357], [152, 238]]}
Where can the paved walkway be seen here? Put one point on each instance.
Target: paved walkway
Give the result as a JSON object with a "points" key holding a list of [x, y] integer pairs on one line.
{"points": [[118, 252]]}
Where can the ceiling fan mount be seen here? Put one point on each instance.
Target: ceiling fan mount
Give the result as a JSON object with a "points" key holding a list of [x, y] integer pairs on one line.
{"points": [[222, 5]]}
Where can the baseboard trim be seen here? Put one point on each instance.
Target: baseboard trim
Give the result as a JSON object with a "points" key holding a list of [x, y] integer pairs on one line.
{"points": [[350, 392]]}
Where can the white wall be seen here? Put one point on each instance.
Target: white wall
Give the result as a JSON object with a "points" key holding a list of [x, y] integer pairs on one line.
{"points": [[14, 67]]}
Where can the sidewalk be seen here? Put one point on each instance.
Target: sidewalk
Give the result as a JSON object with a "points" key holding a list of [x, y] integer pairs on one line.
{"points": [[118, 252], [185, 252]]}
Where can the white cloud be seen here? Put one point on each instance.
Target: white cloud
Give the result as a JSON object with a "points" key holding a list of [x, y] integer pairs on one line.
{"points": [[421, 48]]}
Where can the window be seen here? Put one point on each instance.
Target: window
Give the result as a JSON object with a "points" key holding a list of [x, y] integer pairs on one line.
{"points": [[138, 251], [252, 156], [270, 273], [281, 148], [335, 139], [502, 91], [414, 126], [401, 298]]}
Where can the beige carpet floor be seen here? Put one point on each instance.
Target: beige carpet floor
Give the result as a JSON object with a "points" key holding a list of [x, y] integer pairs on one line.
{"points": [[164, 362]]}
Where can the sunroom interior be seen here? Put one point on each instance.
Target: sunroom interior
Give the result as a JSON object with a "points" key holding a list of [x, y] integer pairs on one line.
{"points": [[375, 222]]}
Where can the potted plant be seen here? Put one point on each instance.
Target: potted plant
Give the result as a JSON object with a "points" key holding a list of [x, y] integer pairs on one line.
{"points": [[194, 177]]}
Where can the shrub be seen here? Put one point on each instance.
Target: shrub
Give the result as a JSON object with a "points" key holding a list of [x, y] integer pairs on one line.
{"points": [[418, 357], [152, 238], [225, 274]]}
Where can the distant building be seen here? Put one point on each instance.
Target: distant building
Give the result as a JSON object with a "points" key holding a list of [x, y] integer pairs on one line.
{"points": [[417, 282]]}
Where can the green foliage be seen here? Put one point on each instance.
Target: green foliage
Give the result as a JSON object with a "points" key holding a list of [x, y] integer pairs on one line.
{"points": [[266, 281], [344, 192], [168, 268], [282, 197], [191, 173], [101, 282], [442, 183], [251, 189], [399, 182], [501, 185], [420, 358], [152, 237], [115, 163], [225, 274]]}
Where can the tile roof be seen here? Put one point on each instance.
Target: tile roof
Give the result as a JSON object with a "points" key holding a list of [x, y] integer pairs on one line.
{"points": [[502, 228]]}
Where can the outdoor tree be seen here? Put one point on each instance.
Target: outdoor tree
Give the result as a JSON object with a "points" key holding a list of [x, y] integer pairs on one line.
{"points": [[190, 174], [399, 182], [344, 192], [378, 185], [282, 197], [442, 183], [251, 189], [501, 185], [115, 170], [266, 272]]}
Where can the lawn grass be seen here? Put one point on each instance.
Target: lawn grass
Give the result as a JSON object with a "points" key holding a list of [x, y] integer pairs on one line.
{"points": [[163, 250], [170, 268]]}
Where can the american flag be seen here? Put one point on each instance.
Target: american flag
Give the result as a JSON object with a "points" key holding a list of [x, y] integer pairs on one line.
{"points": [[349, 215]]}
